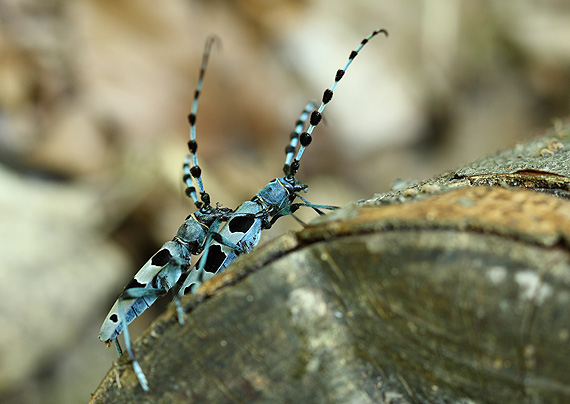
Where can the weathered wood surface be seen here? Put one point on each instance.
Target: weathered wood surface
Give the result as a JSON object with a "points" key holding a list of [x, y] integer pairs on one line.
{"points": [[439, 293]]}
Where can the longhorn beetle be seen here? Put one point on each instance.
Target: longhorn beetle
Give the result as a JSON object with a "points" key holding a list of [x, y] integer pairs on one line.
{"points": [[240, 233], [164, 268], [272, 202]]}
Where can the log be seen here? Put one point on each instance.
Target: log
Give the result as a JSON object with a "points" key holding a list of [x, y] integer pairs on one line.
{"points": [[453, 290]]}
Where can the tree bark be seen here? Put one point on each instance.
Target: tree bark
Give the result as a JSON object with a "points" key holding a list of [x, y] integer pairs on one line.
{"points": [[456, 289]]}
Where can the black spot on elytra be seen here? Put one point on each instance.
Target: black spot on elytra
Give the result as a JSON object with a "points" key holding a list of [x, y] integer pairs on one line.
{"points": [[135, 284], [161, 258], [114, 318], [215, 258], [240, 224]]}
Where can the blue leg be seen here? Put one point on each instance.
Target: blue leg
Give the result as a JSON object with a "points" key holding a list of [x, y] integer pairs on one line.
{"points": [[315, 207], [118, 348], [129, 294], [136, 367]]}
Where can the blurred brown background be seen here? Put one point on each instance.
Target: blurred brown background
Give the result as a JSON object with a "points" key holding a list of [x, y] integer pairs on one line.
{"points": [[93, 103]]}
